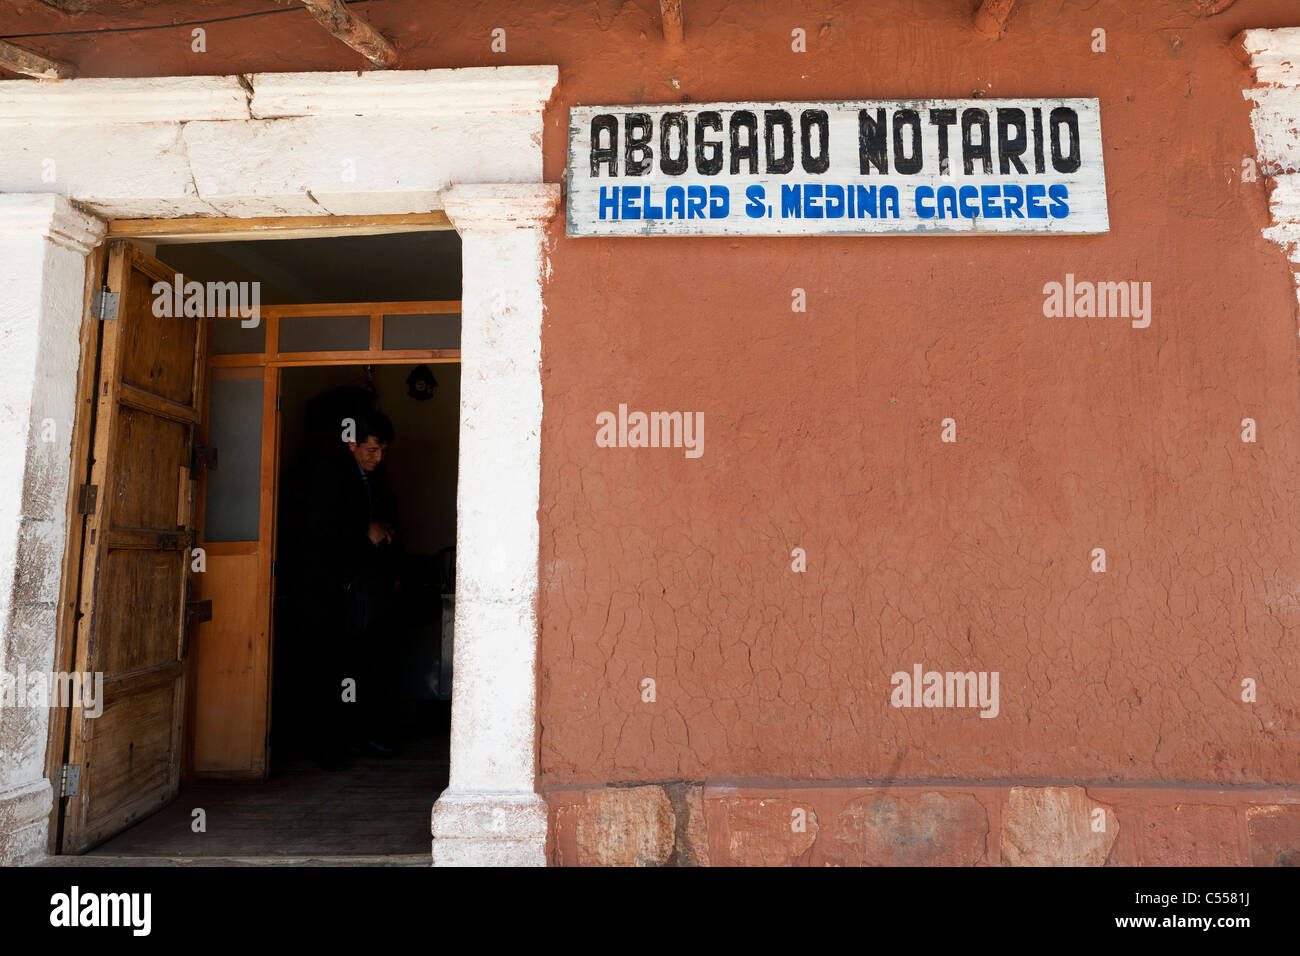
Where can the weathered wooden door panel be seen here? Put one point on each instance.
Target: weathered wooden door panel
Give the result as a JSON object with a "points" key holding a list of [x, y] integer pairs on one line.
{"points": [[136, 561]]}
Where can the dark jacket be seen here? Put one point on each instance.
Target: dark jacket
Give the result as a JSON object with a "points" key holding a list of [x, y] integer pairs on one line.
{"points": [[337, 555]]}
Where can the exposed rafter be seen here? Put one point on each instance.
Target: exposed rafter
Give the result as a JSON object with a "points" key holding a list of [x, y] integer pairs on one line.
{"points": [[71, 7], [991, 17], [335, 17], [18, 60], [1210, 8], [670, 13]]}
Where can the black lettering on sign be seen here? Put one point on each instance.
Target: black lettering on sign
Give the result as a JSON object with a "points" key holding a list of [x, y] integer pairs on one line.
{"points": [[698, 143], [637, 154], [608, 124], [809, 121], [675, 124], [907, 162], [1039, 166], [1069, 162], [971, 151], [943, 119], [872, 148], [1011, 148], [744, 121], [708, 153], [772, 119]]}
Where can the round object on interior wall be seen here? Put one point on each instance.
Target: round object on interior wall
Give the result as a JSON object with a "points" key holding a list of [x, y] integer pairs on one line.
{"points": [[421, 383]]}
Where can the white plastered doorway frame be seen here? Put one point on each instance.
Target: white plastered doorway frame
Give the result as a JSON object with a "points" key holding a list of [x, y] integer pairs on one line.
{"points": [[465, 141]]}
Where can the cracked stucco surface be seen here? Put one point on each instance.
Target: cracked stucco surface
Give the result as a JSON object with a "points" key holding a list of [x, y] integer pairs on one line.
{"points": [[822, 427], [822, 432]]}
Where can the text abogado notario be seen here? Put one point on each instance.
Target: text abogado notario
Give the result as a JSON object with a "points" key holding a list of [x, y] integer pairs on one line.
{"points": [[906, 166]]}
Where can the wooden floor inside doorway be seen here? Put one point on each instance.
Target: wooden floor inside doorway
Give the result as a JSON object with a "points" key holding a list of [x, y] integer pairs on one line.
{"points": [[374, 813]]}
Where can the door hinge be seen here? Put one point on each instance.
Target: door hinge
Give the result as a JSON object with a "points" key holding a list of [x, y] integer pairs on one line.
{"points": [[103, 304], [277, 403], [272, 569], [69, 779], [205, 456], [86, 497]]}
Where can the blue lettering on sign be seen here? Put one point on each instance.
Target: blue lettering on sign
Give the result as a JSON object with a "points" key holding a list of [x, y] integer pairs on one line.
{"points": [[992, 201], [924, 193], [608, 201], [1059, 193], [835, 201], [719, 202], [696, 196], [988, 205], [630, 209], [964, 194], [1034, 193], [651, 210], [690, 202], [812, 194], [675, 201], [789, 201], [838, 201], [1013, 201]]}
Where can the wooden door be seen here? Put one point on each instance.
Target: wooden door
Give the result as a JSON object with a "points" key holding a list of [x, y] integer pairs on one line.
{"points": [[136, 560], [228, 728]]}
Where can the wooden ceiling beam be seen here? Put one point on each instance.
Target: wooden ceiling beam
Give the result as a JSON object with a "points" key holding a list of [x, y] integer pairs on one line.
{"points": [[335, 17], [1211, 8], [225, 229], [991, 17], [670, 15], [70, 7], [16, 59]]}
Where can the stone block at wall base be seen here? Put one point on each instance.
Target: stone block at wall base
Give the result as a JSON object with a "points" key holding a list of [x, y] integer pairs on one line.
{"points": [[643, 825], [1274, 834], [680, 823], [24, 823]]}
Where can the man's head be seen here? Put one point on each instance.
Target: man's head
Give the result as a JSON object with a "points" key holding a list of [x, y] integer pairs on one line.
{"points": [[375, 431]]}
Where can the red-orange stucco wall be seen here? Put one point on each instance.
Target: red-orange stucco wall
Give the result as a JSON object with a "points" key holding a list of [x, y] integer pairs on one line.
{"points": [[822, 431]]}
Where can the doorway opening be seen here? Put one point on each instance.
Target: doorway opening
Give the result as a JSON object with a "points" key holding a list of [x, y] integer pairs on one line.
{"points": [[358, 329]]}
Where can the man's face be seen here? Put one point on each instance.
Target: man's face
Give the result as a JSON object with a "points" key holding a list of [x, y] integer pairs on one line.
{"points": [[369, 453]]}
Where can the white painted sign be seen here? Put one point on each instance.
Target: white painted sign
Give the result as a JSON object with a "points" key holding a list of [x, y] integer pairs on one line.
{"points": [[888, 167]]}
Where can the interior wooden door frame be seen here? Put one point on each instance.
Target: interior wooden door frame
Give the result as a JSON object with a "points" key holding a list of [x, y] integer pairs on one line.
{"points": [[272, 361]]}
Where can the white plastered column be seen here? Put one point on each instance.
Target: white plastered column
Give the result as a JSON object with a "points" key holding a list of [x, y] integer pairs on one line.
{"points": [[490, 813], [44, 242]]}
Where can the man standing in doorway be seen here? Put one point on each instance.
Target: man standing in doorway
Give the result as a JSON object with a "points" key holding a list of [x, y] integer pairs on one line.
{"points": [[349, 527]]}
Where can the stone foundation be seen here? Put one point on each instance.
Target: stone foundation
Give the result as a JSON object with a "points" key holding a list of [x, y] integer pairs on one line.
{"points": [[708, 824]]}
